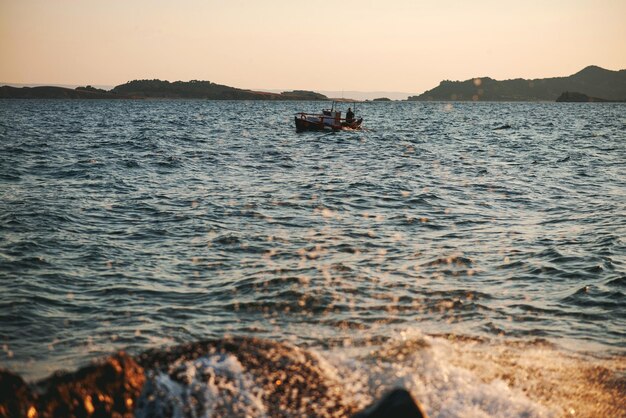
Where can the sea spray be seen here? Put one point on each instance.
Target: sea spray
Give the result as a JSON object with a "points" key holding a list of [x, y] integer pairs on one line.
{"points": [[205, 387]]}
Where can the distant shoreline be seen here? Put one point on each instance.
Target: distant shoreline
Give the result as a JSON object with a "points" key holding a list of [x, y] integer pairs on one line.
{"points": [[365, 102], [155, 89], [592, 84], [597, 83]]}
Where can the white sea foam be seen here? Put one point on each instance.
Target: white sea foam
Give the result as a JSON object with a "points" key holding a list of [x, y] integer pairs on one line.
{"points": [[206, 387], [425, 367]]}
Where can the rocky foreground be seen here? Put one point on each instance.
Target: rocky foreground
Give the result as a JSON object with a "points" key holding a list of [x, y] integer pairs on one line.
{"points": [[199, 379]]}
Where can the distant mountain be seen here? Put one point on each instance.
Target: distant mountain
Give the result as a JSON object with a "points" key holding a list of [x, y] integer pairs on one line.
{"points": [[142, 89], [592, 81], [50, 92]]}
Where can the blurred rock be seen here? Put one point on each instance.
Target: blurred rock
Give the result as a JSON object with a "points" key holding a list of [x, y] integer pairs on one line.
{"points": [[108, 388], [397, 404], [16, 398]]}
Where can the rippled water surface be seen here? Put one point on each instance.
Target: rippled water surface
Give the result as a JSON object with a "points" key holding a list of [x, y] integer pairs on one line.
{"points": [[135, 224]]}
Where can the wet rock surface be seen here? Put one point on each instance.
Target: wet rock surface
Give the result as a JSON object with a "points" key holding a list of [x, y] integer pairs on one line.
{"points": [[105, 389], [16, 398], [286, 379], [232, 377]]}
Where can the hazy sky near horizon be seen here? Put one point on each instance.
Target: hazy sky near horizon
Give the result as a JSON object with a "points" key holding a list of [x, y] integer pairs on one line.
{"points": [[392, 45]]}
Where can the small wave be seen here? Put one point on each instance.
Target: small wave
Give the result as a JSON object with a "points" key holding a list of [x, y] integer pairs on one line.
{"points": [[618, 282], [170, 161], [131, 164], [10, 177], [228, 239], [592, 296], [456, 260]]}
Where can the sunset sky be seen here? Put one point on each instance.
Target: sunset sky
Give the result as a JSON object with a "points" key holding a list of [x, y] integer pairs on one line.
{"points": [[392, 45]]}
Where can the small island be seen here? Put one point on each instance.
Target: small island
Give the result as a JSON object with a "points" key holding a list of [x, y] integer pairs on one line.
{"points": [[156, 89], [575, 97]]}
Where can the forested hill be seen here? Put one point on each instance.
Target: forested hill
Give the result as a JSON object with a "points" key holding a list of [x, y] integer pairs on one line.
{"points": [[53, 92], [592, 81], [142, 89], [204, 90]]}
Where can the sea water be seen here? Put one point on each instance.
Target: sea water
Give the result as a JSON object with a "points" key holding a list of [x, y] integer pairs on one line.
{"points": [[474, 253]]}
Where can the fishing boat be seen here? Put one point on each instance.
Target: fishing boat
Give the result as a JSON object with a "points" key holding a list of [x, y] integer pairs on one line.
{"points": [[328, 120]]}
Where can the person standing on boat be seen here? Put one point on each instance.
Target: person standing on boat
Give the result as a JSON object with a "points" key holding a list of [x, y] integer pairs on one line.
{"points": [[349, 115]]}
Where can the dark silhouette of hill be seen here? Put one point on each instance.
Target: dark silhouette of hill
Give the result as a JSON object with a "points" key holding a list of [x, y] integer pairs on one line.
{"points": [[50, 92], [195, 89], [182, 90], [302, 95], [572, 96], [592, 81], [143, 89]]}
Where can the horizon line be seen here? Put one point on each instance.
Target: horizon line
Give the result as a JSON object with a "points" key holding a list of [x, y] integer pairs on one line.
{"points": [[274, 90]]}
